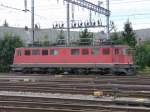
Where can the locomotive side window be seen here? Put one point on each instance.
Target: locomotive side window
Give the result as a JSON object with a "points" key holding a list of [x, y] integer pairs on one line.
{"points": [[95, 51], [106, 51], [35, 52], [116, 51], [44, 52], [75, 51], [27, 52], [19, 53], [85, 51], [53, 52]]}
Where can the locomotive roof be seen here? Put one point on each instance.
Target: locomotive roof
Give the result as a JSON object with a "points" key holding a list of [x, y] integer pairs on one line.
{"points": [[78, 46]]}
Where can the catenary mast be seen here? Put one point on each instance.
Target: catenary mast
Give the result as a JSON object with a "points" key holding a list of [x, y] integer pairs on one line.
{"points": [[32, 21]]}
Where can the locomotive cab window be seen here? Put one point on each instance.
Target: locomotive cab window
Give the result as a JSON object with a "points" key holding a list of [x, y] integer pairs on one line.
{"points": [[106, 51], [95, 51], [35, 52], [27, 52], [75, 51], [44, 52], [85, 51], [19, 53], [53, 52]]}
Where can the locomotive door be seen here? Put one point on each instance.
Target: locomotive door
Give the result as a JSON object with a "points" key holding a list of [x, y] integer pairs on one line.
{"points": [[116, 55], [64, 56]]}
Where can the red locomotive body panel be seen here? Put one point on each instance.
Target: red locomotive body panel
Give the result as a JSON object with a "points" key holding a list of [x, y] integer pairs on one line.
{"points": [[67, 56], [64, 56]]}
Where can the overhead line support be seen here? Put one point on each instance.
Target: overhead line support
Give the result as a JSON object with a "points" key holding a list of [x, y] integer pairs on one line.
{"points": [[32, 20], [90, 6]]}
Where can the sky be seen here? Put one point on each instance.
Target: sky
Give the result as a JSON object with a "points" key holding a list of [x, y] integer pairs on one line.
{"points": [[48, 12]]}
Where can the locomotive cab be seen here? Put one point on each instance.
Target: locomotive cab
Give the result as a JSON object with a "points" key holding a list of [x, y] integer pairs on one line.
{"points": [[123, 60]]}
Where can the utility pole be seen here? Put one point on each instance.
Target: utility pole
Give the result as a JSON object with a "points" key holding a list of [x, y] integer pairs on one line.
{"points": [[68, 23], [25, 6], [32, 19], [90, 19], [72, 13], [107, 19]]}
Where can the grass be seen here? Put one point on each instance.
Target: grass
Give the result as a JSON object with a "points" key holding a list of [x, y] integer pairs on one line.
{"points": [[145, 71]]}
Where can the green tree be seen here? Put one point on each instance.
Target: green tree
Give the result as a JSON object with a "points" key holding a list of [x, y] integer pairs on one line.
{"points": [[7, 48], [5, 24], [147, 47], [116, 38], [128, 35], [86, 37], [142, 55], [61, 38], [45, 41]]}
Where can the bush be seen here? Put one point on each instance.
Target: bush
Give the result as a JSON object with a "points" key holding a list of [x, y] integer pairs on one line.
{"points": [[142, 55], [86, 38], [7, 49]]}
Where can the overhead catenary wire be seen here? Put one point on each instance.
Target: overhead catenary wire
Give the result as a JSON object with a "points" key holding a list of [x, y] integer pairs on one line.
{"points": [[65, 7], [135, 15], [22, 10], [126, 2]]}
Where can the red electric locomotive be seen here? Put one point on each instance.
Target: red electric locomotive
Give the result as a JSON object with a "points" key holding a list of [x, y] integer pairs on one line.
{"points": [[104, 59]]}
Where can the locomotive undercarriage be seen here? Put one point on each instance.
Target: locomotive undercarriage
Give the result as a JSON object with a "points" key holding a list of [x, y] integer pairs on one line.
{"points": [[78, 70]]}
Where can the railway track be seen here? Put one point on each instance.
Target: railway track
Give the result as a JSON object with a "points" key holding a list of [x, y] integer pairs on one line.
{"points": [[63, 108], [121, 86], [77, 90], [114, 87], [44, 104]]}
